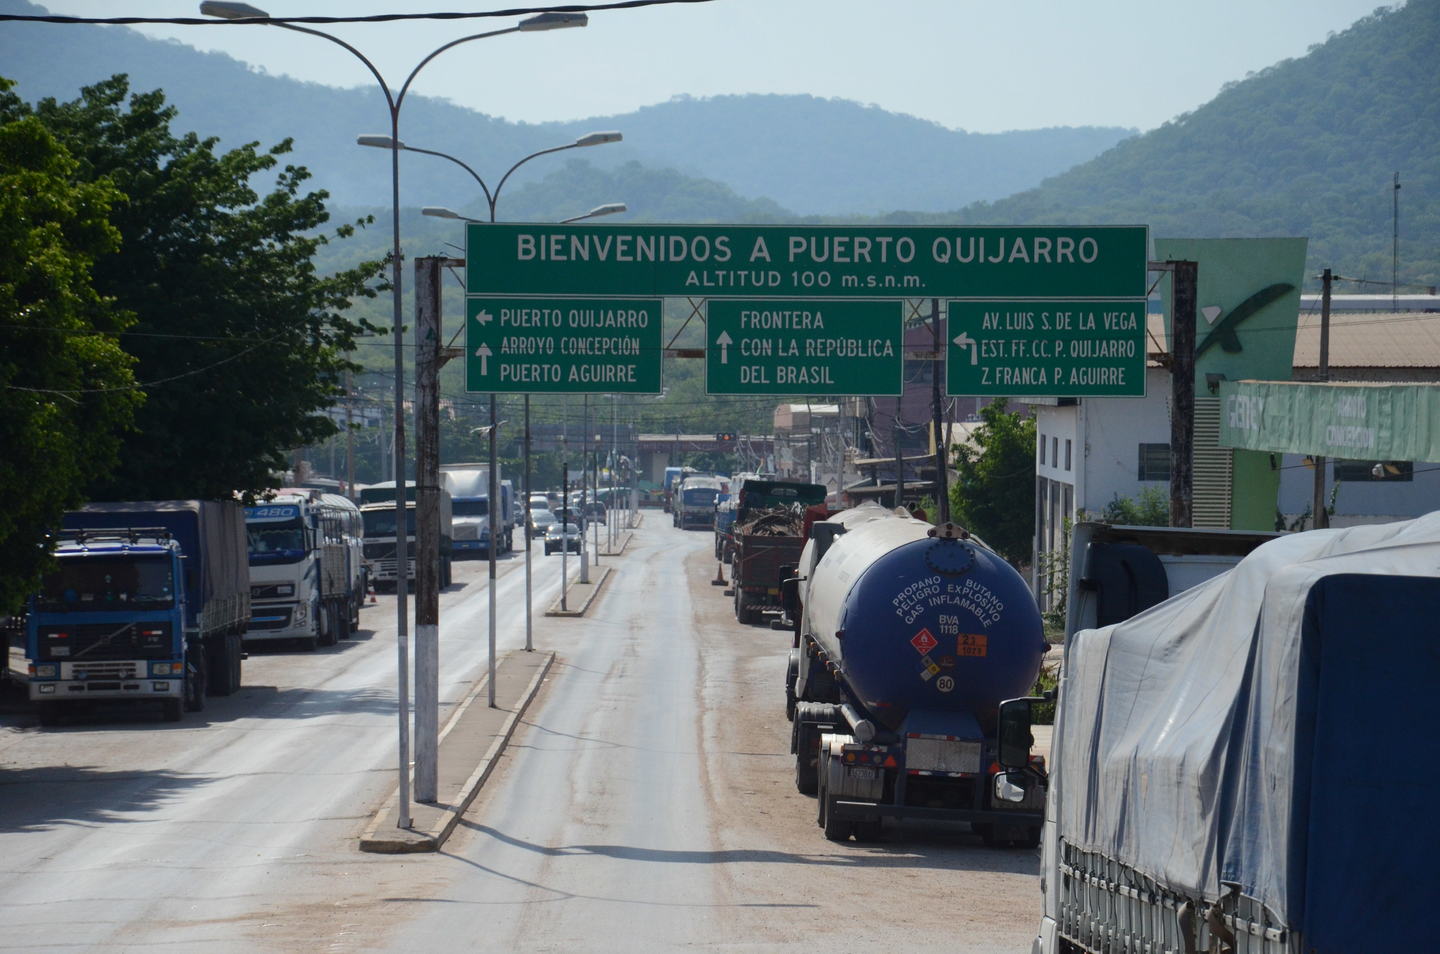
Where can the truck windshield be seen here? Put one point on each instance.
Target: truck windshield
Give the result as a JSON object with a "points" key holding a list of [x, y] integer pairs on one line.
{"points": [[471, 508], [700, 496], [381, 523], [274, 543], [86, 583]]}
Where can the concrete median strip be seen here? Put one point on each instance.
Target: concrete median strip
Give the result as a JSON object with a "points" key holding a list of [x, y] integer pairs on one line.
{"points": [[473, 727], [579, 596]]}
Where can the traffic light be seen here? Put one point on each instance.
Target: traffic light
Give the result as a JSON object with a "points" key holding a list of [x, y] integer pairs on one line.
{"points": [[725, 436]]}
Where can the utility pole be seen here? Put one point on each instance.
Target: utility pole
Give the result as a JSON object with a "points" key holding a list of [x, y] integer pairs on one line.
{"points": [[1183, 279], [1394, 248], [1317, 506], [349, 437], [427, 526], [937, 368]]}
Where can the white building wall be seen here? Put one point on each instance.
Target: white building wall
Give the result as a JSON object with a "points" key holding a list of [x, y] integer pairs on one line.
{"points": [[1114, 430]]}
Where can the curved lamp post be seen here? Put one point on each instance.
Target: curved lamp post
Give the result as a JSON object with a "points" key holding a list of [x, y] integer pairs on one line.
{"points": [[491, 200], [394, 100]]}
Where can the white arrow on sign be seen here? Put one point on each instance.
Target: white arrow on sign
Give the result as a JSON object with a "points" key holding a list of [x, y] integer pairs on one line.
{"points": [[483, 353], [484, 317], [964, 340], [724, 341]]}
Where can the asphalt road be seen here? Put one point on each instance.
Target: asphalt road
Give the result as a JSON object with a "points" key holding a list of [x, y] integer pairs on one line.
{"points": [[646, 804]]}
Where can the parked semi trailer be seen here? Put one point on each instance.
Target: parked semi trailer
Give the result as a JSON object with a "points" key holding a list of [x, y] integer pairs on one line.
{"points": [[908, 639], [377, 513], [469, 489], [1247, 766], [148, 601], [301, 582], [767, 537]]}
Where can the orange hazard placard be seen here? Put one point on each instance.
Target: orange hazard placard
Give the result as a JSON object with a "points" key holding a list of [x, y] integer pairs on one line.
{"points": [[973, 644]]}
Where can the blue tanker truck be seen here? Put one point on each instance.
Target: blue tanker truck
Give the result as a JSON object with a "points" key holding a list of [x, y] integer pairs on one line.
{"points": [[908, 638], [149, 601]]}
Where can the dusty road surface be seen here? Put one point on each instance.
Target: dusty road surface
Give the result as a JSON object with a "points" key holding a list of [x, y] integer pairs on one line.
{"points": [[647, 803]]}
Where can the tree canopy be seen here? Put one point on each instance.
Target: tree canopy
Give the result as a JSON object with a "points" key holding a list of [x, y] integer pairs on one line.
{"points": [[240, 344], [66, 389], [994, 491]]}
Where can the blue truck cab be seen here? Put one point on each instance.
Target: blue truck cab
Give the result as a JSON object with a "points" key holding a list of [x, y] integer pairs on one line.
{"points": [[147, 602]]}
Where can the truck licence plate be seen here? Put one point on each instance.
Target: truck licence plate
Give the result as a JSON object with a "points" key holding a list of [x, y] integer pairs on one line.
{"points": [[861, 773]]}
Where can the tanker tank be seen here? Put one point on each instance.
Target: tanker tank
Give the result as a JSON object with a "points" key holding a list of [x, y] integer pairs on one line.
{"points": [[908, 638]]}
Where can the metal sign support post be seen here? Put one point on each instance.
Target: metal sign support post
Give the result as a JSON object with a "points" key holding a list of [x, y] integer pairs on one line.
{"points": [[494, 509], [427, 526], [525, 531]]}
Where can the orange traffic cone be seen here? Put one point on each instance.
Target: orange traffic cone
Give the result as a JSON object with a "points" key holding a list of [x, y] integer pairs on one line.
{"points": [[373, 597], [719, 574]]}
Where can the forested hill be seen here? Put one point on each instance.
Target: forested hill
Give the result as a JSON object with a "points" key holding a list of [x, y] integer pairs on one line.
{"points": [[809, 155], [1306, 147]]}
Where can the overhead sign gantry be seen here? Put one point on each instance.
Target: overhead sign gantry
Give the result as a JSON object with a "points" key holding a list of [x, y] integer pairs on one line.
{"points": [[842, 274]]}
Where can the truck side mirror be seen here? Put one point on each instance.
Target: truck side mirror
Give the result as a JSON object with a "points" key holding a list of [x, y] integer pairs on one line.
{"points": [[790, 596], [1013, 738]]}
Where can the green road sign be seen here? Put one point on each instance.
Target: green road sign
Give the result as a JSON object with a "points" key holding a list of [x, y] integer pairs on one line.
{"points": [[787, 347], [554, 345], [806, 262], [1046, 349]]}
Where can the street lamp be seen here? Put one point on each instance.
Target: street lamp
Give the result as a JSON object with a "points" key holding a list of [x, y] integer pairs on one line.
{"points": [[491, 199], [610, 208], [394, 101]]}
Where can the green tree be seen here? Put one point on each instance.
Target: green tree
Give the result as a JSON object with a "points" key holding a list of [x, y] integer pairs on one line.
{"points": [[66, 389], [1149, 508], [240, 344], [994, 492]]}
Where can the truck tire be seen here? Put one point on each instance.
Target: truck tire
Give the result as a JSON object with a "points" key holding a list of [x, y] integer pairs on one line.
{"points": [[811, 721], [325, 626], [223, 663], [195, 680], [743, 612], [792, 673]]}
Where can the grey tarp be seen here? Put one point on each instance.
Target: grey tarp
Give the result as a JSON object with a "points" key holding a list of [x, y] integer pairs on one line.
{"points": [[1174, 746]]}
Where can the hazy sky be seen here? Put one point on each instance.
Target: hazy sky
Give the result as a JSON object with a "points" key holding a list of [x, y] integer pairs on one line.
{"points": [[979, 65]]}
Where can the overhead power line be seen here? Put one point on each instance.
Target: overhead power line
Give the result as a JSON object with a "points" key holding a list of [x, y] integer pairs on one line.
{"points": [[375, 18]]}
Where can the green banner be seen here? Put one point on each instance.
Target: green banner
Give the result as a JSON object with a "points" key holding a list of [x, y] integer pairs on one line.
{"points": [[1349, 421], [810, 262]]}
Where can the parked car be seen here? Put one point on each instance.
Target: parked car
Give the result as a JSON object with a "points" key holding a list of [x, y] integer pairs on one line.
{"points": [[540, 522], [562, 535]]}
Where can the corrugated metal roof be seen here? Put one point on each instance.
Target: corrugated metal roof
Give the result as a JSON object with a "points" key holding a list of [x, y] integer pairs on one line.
{"points": [[1371, 340]]}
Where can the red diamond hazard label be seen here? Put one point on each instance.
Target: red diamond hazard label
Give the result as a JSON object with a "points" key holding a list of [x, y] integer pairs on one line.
{"points": [[924, 642]]}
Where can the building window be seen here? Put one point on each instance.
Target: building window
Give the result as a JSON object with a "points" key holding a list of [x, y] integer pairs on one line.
{"points": [[1371, 470], [1042, 450], [1054, 452], [1154, 462], [1067, 453]]}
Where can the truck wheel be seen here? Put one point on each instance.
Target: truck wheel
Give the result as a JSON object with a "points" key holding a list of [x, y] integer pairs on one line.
{"points": [[325, 626], [341, 614], [195, 679], [223, 662], [792, 673], [807, 731], [743, 613], [49, 713]]}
